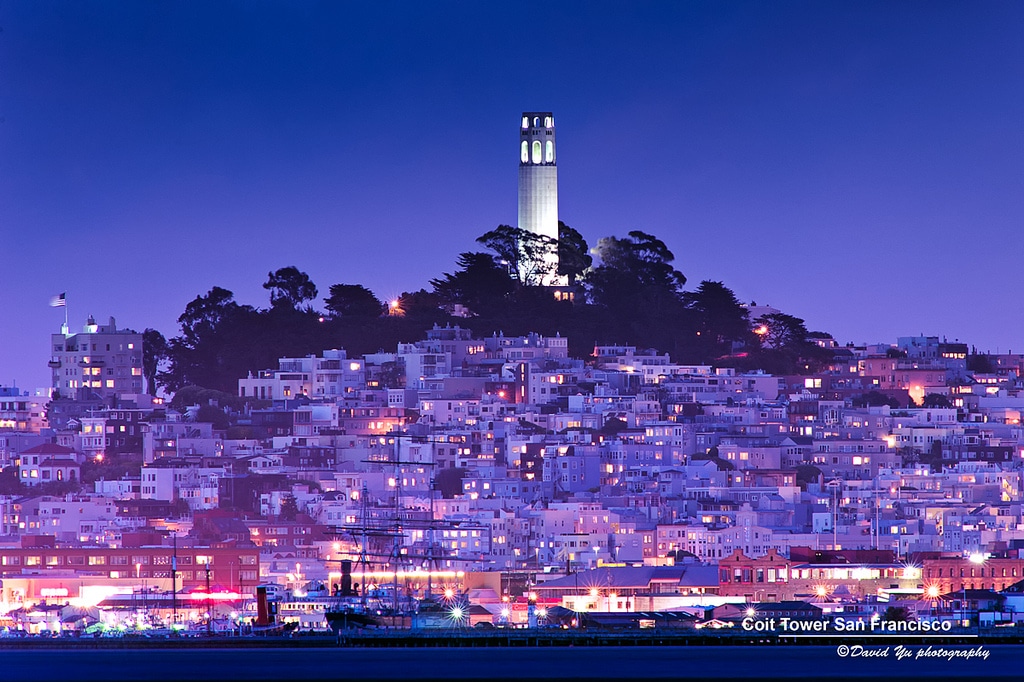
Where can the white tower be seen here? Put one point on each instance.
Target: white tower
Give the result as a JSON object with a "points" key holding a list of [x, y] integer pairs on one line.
{"points": [[538, 175]]}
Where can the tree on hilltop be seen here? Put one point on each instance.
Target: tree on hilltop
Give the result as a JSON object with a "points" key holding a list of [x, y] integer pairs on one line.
{"points": [[634, 273], [353, 300], [481, 284], [780, 331], [289, 287], [574, 257], [420, 304], [154, 351], [719, 316], [222, 341], [528, 256]]}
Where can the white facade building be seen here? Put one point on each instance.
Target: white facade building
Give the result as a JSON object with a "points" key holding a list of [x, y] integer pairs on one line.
{"points": [[101, 358]]}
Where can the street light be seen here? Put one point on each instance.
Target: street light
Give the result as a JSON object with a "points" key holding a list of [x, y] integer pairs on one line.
{"points": [[932, 592], [835, 485], [978, 559]]}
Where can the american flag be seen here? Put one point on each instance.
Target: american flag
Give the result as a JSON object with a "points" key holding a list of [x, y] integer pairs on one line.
{"points": [[58, 301]]}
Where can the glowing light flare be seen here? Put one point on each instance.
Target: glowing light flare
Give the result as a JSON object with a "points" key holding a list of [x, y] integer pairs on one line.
{"points": [[861, 573], [214, 596], [911, 572]]}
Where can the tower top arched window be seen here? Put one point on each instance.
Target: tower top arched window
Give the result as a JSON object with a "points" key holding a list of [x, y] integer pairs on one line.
{"points": [[526, 122], [524, 152], [549, 122], [536, 151], [536, 121]]}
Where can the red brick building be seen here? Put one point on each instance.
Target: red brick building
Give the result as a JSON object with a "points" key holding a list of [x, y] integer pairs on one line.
{"points": [[763, 579], [950, 574], [231, 568]]}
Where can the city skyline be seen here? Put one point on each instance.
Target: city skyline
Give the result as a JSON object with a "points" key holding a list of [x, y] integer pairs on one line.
{"points": [[861, 162]]}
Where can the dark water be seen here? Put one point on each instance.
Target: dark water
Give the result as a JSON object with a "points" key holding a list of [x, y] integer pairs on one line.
{"points": [[563, 663]]}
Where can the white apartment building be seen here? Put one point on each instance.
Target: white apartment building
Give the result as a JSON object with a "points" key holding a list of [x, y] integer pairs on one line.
{"points": [[101, 358], [332, 375]]}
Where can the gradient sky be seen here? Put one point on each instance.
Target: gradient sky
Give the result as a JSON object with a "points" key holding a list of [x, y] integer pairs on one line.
{"points": [[857, 164]]}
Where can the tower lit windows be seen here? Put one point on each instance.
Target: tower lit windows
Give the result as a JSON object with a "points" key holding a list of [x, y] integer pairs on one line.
{"points": [[538, 178]]}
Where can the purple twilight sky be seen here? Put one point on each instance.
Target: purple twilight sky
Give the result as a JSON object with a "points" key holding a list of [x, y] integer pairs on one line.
{"points": [[859, 164]]}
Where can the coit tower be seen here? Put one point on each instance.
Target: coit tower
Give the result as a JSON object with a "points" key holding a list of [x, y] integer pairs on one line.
{"points": [[538, 175]]}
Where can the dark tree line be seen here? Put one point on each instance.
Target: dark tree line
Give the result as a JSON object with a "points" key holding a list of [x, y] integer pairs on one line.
{"points": [[626, 290]]}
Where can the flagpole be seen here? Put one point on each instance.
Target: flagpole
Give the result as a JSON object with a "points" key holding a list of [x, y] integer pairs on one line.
{"points": [[61, 301]]}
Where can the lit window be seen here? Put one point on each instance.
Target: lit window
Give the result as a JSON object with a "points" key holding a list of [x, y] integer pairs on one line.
{"points": [[549, 122], [526, 122], [536, 151], [549, 151], [524, 153]]}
